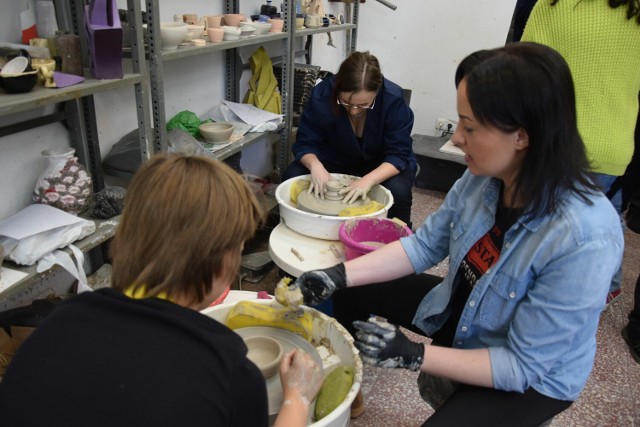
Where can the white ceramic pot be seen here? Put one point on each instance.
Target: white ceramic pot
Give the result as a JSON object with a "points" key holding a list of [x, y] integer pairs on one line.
{"points": [[231, 33], [172, 34], [322, 226]]}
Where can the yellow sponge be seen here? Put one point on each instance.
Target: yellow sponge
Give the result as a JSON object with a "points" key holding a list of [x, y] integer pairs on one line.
{"points": [[369, 208], [298, 187], [249, 313]]}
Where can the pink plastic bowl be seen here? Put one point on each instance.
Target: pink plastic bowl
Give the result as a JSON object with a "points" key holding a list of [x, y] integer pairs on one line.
{"points": [[363, 235]]}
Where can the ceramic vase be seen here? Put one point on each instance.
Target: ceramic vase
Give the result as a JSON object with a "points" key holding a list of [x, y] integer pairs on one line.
{"points": [[65, 183]]}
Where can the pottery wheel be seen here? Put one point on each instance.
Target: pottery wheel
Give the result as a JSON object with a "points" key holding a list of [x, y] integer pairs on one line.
{"points": [[289, 341], [332, 203]]}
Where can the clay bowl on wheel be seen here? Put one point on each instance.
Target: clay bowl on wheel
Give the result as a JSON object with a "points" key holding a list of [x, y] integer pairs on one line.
{"points": [[216, 133], [172, 34], [266, 353]]}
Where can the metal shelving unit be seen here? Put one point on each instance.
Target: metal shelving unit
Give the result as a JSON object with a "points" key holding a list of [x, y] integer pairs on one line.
{"points": [[79, 116], [233, 71]]}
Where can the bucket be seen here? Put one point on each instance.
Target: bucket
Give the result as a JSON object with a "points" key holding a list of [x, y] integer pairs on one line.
{"points": [[363, 235]]}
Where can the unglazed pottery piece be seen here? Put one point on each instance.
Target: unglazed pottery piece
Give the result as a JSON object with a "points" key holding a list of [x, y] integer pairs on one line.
{"points": [[332, 203]]}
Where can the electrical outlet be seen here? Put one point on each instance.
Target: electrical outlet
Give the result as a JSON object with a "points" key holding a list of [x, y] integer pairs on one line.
{"points": [[445, 125]]}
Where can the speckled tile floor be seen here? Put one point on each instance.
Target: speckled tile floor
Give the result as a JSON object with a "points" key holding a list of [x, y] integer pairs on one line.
{"points": [[612, 394]]}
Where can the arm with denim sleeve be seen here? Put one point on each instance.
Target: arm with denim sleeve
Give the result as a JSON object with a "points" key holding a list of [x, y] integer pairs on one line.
{"points": [[552, 336]]}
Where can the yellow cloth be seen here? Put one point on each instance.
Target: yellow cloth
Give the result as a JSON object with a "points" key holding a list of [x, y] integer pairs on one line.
{"points": [[298, 187], [370, 207], [140, 292], [602, 48], [263, 86]]}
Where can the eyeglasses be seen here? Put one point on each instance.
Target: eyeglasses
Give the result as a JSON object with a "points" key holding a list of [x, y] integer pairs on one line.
{"points": [[356, 107]]}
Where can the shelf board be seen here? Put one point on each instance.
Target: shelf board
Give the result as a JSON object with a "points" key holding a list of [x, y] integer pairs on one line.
{"points": [[247, 140], [105, 229], [41, 96], [330, 29], [186, 51]]}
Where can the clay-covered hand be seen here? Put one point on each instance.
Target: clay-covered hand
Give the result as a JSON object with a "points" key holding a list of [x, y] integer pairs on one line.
{"points": [[357, 190], [300, 376], [382, 344], [319, 179], [318, 285]]}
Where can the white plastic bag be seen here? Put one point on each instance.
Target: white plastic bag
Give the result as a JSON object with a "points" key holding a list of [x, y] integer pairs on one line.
{"points": [[38, 230]]}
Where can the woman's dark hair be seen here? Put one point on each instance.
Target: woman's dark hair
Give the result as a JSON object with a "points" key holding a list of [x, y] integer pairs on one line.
{"points": [[633, 7], [529, 86], [359, 71]]}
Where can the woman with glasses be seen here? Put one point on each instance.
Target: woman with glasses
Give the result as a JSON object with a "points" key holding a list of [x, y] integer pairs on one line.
{"points": [[358, 123]]}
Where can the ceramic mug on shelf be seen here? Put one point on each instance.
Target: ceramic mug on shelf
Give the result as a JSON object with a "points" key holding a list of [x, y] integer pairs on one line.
{"points": [[233, 19], [277, 24], [215, 34], [313, 21], [213, 21]]}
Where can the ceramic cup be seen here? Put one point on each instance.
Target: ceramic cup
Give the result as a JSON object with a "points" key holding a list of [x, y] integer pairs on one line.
{"points": [[277, 24], [233, 19], [299, 23], [196, 31], [213, 21], [190, 18], [215, 34], [313, 21], [39, 42]]}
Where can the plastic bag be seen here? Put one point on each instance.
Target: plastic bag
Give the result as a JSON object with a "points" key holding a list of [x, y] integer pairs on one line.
{"points": [[187, 121], [107, 202]]}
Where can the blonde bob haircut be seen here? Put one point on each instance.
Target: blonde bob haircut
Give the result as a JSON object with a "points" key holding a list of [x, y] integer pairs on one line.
{"points": [[184, 223]]}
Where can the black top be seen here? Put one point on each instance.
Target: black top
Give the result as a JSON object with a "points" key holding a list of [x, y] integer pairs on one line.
{"points": [[101, 358], [482, 256]]}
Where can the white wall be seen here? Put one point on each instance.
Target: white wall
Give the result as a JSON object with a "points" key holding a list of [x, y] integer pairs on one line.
{"points": [[419, 45]]}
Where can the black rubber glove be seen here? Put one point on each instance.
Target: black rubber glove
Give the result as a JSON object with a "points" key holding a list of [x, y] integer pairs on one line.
{"points": [[382, 344], [318, 285]]}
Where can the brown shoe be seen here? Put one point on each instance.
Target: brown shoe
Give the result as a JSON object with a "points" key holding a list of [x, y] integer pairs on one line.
{"points": [[357, 406]]}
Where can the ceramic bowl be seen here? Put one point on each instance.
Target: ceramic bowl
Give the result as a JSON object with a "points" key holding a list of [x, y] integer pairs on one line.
{"points": [[231, 33], [18, 82], [265, 352], [17, 65], [233, 19], [196, 31], [246, 31], [172, 34], [216, 133], [262, 28]]}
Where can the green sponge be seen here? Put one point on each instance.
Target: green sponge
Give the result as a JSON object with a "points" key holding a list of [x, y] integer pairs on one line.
{"points": [[333, 391]]}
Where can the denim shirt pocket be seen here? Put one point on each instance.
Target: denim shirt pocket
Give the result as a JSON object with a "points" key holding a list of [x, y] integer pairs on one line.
{"points": [[500, 301]]}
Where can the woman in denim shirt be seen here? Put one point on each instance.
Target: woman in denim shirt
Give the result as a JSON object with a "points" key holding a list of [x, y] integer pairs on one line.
{"points": [[532, 247]]}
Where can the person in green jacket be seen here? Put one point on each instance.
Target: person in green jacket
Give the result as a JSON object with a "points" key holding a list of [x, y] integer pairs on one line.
{"points": [[600, 40]]}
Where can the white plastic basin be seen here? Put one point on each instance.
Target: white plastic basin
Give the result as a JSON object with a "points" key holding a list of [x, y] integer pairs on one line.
{"points": [[322, 226]]}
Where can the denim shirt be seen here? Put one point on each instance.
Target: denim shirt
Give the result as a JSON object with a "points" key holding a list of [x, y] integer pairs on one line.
{"points": [[537, 309]]}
